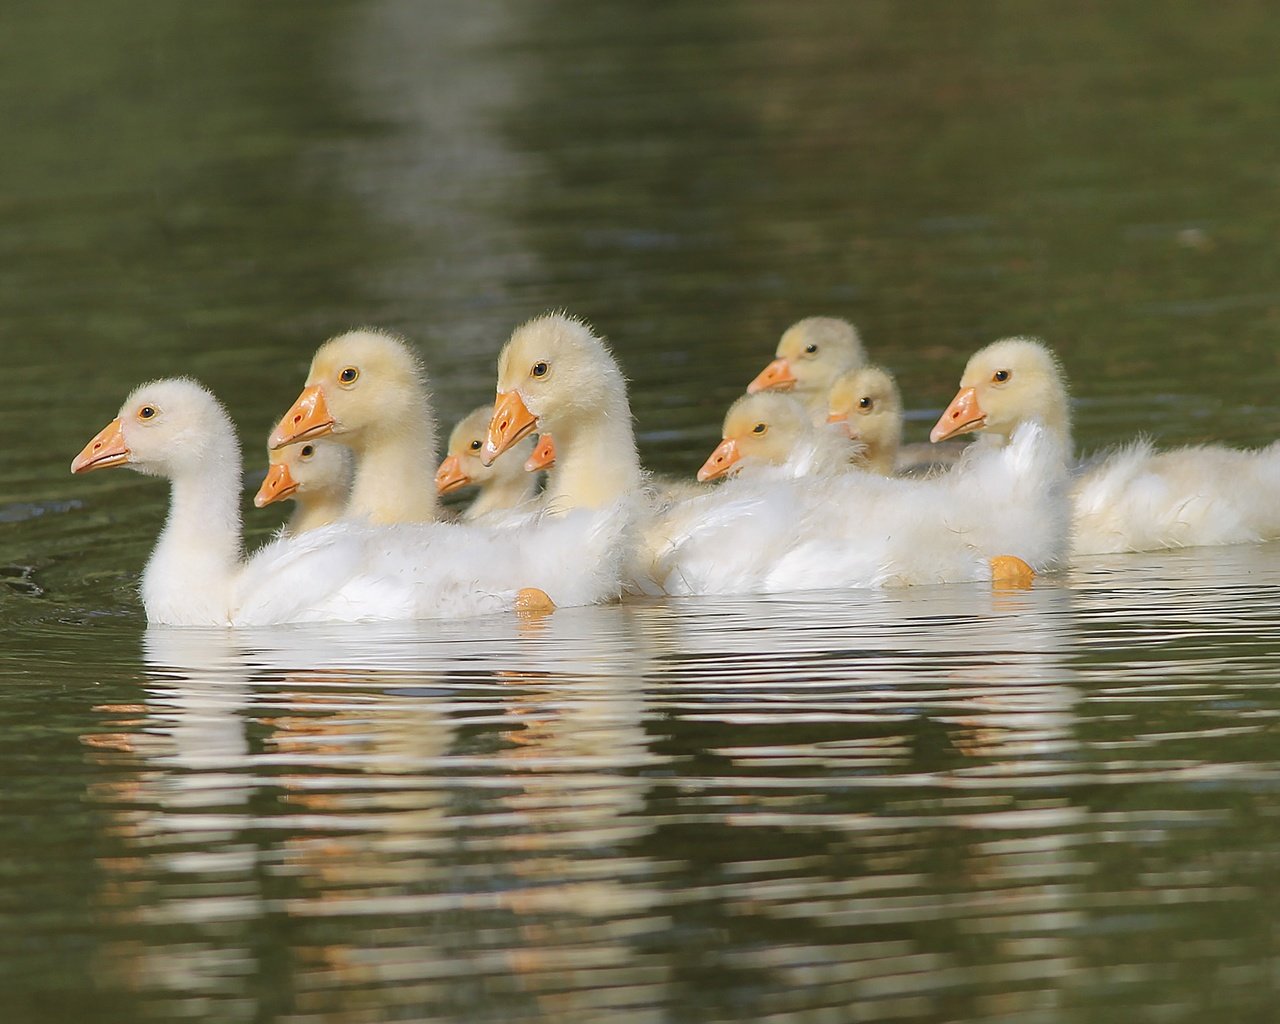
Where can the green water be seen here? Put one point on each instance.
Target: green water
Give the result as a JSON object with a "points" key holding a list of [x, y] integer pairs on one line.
{"points": [[941, 805]]}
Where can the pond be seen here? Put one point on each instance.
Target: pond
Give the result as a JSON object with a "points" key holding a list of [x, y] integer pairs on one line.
{"points": [[937, 804]]}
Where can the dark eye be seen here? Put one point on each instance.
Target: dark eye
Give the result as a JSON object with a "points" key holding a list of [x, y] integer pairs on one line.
{"points": [[811, 349], [146, 412], [759, 428], [475, 445], [540, 369], [349, 375], [308, 450], [1000, 376], [865, 403]]}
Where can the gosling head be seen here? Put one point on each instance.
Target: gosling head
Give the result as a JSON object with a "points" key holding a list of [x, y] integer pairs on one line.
{"points": [[759, 429], [462, 465], [1009, 382], [360, 383], [555, 376], [810, 354], [866, 407], [313, 469], [164, 428]]}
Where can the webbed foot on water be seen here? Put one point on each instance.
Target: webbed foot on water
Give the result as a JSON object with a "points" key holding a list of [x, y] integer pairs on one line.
{"points": [[532, 601], [1009, 572]]}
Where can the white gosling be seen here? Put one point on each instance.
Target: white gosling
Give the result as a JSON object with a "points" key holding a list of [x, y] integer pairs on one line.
{"points": [[811, 353], [501, 486], [1133, 499], [858, 529], [349, 571], [368, 391], [315, 476], [1138, 499]]}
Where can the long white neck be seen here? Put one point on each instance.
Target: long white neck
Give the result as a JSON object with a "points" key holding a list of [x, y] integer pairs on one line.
{"points": [[188, 580], [596, 462], [315, 510], [394, 479], [502, 492]]}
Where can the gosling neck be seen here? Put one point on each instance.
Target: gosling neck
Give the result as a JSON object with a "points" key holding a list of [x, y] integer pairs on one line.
{"points": [[596, 462], [1054, 418], [502, 492], [881, 453], [1057, 421], [189, 577], [394, 482], [312, 511]]}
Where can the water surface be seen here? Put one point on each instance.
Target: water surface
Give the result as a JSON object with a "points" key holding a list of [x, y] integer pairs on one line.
{"points": [[936, 805]]}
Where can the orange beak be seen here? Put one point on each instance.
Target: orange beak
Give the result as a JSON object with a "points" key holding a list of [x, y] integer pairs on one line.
{"points": [[278, 486], [543, 457], [450, 475], [512, 422], [840, 420], [720, 461], [776, 375], [308, 417], [962, 416], [107, 449]]}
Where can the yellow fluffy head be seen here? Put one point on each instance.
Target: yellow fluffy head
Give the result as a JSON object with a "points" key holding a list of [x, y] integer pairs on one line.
{"points": [[766, 427], [371, 379], [319, 468], [1016, 380], [819, 348], [467, 440], [563, 372], [869, 399]]}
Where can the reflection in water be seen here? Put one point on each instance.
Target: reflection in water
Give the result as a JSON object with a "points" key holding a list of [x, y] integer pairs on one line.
{"points": [[558, 821], [940, 804], [440, 75]]}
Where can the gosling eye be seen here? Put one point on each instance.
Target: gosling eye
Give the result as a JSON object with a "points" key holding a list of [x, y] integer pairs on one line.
{"points": [[308, 450], [540, 369], [476, 445], [147, 412], [811, 349], [348, 375], [865, 402], [759, 428], [1000, 376]]}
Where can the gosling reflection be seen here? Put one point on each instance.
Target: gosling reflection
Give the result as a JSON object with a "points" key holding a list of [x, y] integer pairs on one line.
{"points": [[263, 774], [414, 805], [177, 797], [401, 796], [576, 750], [886, 774]]}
